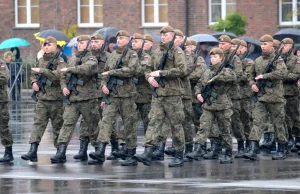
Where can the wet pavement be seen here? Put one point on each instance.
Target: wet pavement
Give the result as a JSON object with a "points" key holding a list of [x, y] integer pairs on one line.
{"points": [[263, 176]]}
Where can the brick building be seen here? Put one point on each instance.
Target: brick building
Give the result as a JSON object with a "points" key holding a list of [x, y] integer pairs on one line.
{"points": [[23, 18]]}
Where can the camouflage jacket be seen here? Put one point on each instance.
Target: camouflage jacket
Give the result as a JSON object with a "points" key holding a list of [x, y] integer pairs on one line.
{"points": [[275, 93], [245, 89], [54, 91], [221, 84], [149, 52], [4, 77], [101, 58], [124, 74], [292, 76], [175, 68], [185, 80], [198, 71], [85, 72], [234, 92], [142, 86]]}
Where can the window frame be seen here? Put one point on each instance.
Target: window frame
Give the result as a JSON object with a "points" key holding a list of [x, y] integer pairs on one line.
{"points": [[295, 15], [92, 19], [28, 15], [223, 11], [156, 15]]}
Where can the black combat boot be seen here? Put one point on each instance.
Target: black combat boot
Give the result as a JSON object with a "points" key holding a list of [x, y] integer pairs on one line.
{"points": [[95, 162], [227, 159], [298, 143], [198, 152], [291, 141], [247, 146], [60, 156], [265, 140], [280, 155], [170, 151], [214, 151], [177, 160], [121, 153], [130, 160], [8, 155], [271, 144], [145, 157], [82, 153], [32, 153], [99, 155], [251, 155], [114, 148], [295, 148], [240, 151], [188, 149], [159, 153]]}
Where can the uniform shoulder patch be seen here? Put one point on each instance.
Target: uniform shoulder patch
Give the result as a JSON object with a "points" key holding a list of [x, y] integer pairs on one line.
{"points": [[298, 62], [179, 52], [238, 62], [198, 64], [92, 58], [133, 54], [3, 66], [280, 60], [187, 54], [61, 61], [146, 57]]}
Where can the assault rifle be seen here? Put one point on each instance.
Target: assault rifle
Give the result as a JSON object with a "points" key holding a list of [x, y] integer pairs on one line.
{"points": [[136, 80], [99, 75], [262, 83], [43, 80], [183, 43], [207, 91], [73, 80], [113, 80], [161, 66]]}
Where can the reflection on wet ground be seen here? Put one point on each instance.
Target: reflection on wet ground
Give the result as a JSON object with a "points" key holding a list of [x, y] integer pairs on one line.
{"points": [[263, 176]]}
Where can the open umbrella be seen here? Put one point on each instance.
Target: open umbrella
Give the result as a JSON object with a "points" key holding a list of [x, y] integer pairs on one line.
{"points": [[204, 38], [107, 31], [73, 42], [54, 33], [14, 42], [59, 42], [218, 34], [288, 33], [256, 51]]}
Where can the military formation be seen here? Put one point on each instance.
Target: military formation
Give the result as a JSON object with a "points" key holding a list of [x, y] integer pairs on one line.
{"points": [[171, 90]]}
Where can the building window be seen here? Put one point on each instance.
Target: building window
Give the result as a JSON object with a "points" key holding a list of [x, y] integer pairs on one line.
{"points": [[289, 12], [154, 12], [219, 9], [90, 13], [27, 13]]}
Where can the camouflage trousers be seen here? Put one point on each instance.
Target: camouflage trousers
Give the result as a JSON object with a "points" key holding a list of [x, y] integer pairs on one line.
{"points": [[90, 113], [45, 110], [5, 133], [246, 115], [236, 123], [84, 130], [223, 120], [260, 117], [162, 109], [126, 107], [292, 115], [196, 117]]}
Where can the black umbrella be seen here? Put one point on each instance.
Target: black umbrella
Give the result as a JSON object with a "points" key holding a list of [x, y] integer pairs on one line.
{"points": [[256, 52], [292, 33], [54, 33], [107, 31], [204, 38], [218, 34]]}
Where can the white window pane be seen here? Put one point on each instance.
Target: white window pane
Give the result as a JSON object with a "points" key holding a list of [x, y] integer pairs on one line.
{"points": [[149, 14], [149, 1], [84, 2], [163, 13], [22, 15], [35, 2], [98, 14], [84, 14], [215, 1], [163, 2], [215, 13], [287, 11], [98, 2], [35, 16], [21, 2]]}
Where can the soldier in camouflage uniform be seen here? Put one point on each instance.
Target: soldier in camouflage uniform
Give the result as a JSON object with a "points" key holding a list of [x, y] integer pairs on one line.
{"points": [[269, 102], [246, 103], [121, 103], [148, 44], [5, 134], [50, 104], [220, 108], [167, 104], [291, 92], [85, 103]]}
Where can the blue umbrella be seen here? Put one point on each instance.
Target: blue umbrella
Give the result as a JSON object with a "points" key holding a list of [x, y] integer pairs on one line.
{"points": [[14, 42], [204, 38], [73, 42]]}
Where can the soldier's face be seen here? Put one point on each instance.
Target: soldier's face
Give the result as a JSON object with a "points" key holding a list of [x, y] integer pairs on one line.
{"points": [[225, 46], [96, 44], [166, 37], [178, 40], [286, 48], [266, 46], [298, 53], [122, 40], [137, 43], [188, 48], [215, 59], [148, 44], [49, 47], [193, 47], [243, 49], [82, 45]]}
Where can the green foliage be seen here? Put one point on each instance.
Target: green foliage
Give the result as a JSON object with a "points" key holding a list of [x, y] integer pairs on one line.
{"points": [[70, 30], [234, 22]]}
